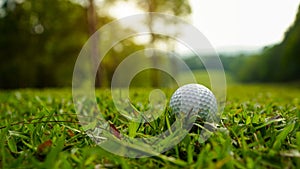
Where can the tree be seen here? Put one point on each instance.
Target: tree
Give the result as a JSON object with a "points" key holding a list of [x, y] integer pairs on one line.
{"points": [[39, 42], [93, 27], [175, 7]]}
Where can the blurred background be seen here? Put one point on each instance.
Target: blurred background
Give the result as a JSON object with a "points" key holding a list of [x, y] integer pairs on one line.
{"points": [[41, 39]]}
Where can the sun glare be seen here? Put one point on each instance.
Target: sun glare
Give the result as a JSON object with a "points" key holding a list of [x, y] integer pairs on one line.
{"points": [[123, 9]]}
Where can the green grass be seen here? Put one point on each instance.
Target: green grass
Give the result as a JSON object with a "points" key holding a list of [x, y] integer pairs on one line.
{"points": [[39, 129]]}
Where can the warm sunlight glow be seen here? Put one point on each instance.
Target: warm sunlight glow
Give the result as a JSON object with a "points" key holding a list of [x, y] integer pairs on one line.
{"points": [[122, 9], [233, 24]]}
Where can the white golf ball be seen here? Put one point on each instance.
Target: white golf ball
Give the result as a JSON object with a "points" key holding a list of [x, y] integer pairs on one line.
{"points": [[195, 99]]}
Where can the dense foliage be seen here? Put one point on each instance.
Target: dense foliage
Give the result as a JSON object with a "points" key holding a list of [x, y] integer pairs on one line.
{"points": [[39, 41]]}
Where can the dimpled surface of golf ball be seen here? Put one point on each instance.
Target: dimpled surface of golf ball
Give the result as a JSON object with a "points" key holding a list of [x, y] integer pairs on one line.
{"points": [[194, 98]]}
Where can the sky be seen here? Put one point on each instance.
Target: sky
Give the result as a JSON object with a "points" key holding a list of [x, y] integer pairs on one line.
{"points": [[235, 25], [241, 24]]}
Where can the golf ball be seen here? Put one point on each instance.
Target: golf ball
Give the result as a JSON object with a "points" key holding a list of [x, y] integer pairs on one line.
{"points": [[196, 99]]}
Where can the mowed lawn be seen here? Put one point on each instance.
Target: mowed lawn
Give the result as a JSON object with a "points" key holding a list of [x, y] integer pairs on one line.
{"points": [[39, 129]]}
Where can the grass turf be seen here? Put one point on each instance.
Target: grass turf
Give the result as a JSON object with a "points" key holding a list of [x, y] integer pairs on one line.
{"points": [[39, 129]]}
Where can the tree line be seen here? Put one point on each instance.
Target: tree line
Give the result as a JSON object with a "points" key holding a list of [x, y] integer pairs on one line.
{"points": [[40, 40], [276, 63]]}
